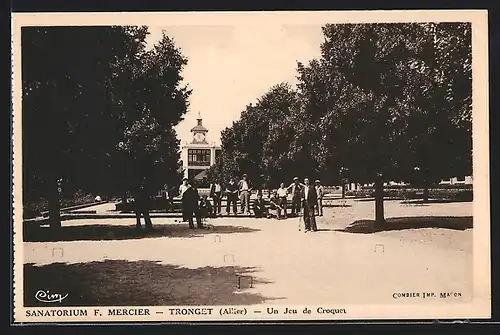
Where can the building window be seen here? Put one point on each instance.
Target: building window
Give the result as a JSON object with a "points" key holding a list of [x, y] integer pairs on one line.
{"points": [[218, 152], [200, 157]]}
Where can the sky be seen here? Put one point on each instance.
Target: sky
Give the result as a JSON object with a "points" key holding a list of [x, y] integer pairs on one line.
{"points": [[230, 67]]}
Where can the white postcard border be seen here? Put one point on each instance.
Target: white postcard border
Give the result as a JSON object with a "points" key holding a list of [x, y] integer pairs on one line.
{"points": [[480, 307]]}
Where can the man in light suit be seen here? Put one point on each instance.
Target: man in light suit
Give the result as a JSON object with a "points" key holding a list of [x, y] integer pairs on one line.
{"points": [[245, 187], [320, 192], [309, 201], [296, 190]]}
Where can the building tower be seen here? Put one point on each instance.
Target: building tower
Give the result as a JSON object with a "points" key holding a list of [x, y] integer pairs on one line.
{"points": [[198, 155], [199, 132]]}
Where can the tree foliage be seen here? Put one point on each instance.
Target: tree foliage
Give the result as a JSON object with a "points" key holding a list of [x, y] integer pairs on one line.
{"points": [[99, 110], [383, 99]]}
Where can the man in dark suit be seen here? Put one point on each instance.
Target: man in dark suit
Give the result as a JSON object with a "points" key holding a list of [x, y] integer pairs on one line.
{"points": [[309, 201], [142, 203], [205, 208], [216, 195], [259, 207], [231, 195], [190, 201]]}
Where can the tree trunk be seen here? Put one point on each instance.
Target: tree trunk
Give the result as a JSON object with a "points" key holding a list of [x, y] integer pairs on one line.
{"points": [[425, 184], [425, 196], [54, 205], [343, 190], [137, 217], [379, 201], [53, 155], [147, 219]]}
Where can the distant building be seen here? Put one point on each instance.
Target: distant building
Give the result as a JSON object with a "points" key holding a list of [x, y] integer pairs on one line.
{"points": [[467, 180], [198, 155]]}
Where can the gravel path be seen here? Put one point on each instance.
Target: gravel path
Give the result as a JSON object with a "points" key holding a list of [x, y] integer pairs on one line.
{"points": [[325, 266]]}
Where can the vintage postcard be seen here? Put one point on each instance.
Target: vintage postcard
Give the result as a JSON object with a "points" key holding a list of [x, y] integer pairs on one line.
{"points": [[244, 166]]}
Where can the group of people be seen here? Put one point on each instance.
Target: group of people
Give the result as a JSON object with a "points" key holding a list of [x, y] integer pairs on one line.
{"points": [[234, 189], [306, 199]]}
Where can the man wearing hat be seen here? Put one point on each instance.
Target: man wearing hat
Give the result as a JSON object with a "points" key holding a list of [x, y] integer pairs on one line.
{"points": [[216, 195], [190, 205], [183, 188], [244, 187], [319, 192], [296, 189], [309, 201], [231, 195]]}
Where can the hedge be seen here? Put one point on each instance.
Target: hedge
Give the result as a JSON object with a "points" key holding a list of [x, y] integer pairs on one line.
{"points": [[440, 187], [413, 193], [35, 208]]}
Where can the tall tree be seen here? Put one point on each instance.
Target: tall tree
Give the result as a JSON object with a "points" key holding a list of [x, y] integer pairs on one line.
{"points": [[440, 79], [384, 102], [106, 107], [65, 73], [252, 144], [369, 56]]}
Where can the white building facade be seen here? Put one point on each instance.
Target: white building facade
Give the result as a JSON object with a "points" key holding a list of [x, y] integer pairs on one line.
{"points": [[467, 180], [198, 155]]}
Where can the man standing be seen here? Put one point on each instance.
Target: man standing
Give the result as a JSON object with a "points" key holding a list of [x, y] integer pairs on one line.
{"points": [[309, 201], [296, 190], [244, 187], [319, 193], [216, 194], [232, 196], [142, 203], [283, 199], [190, 204], [183, 188]]}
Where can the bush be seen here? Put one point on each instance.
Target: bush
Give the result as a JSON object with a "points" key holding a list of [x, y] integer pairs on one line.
{"points": [[35, 208], [464, 196], [156, 204]]}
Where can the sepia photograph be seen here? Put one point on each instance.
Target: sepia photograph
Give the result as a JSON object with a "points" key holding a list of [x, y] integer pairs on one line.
{"points": [[237, 166]]}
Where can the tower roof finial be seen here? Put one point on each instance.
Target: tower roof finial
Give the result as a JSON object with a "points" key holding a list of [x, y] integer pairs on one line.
{"points": [[199, 125]]}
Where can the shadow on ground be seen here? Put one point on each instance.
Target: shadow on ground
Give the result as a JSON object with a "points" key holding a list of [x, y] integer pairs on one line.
{"points": [[445, 222], [34, 233], [140, 283]]}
